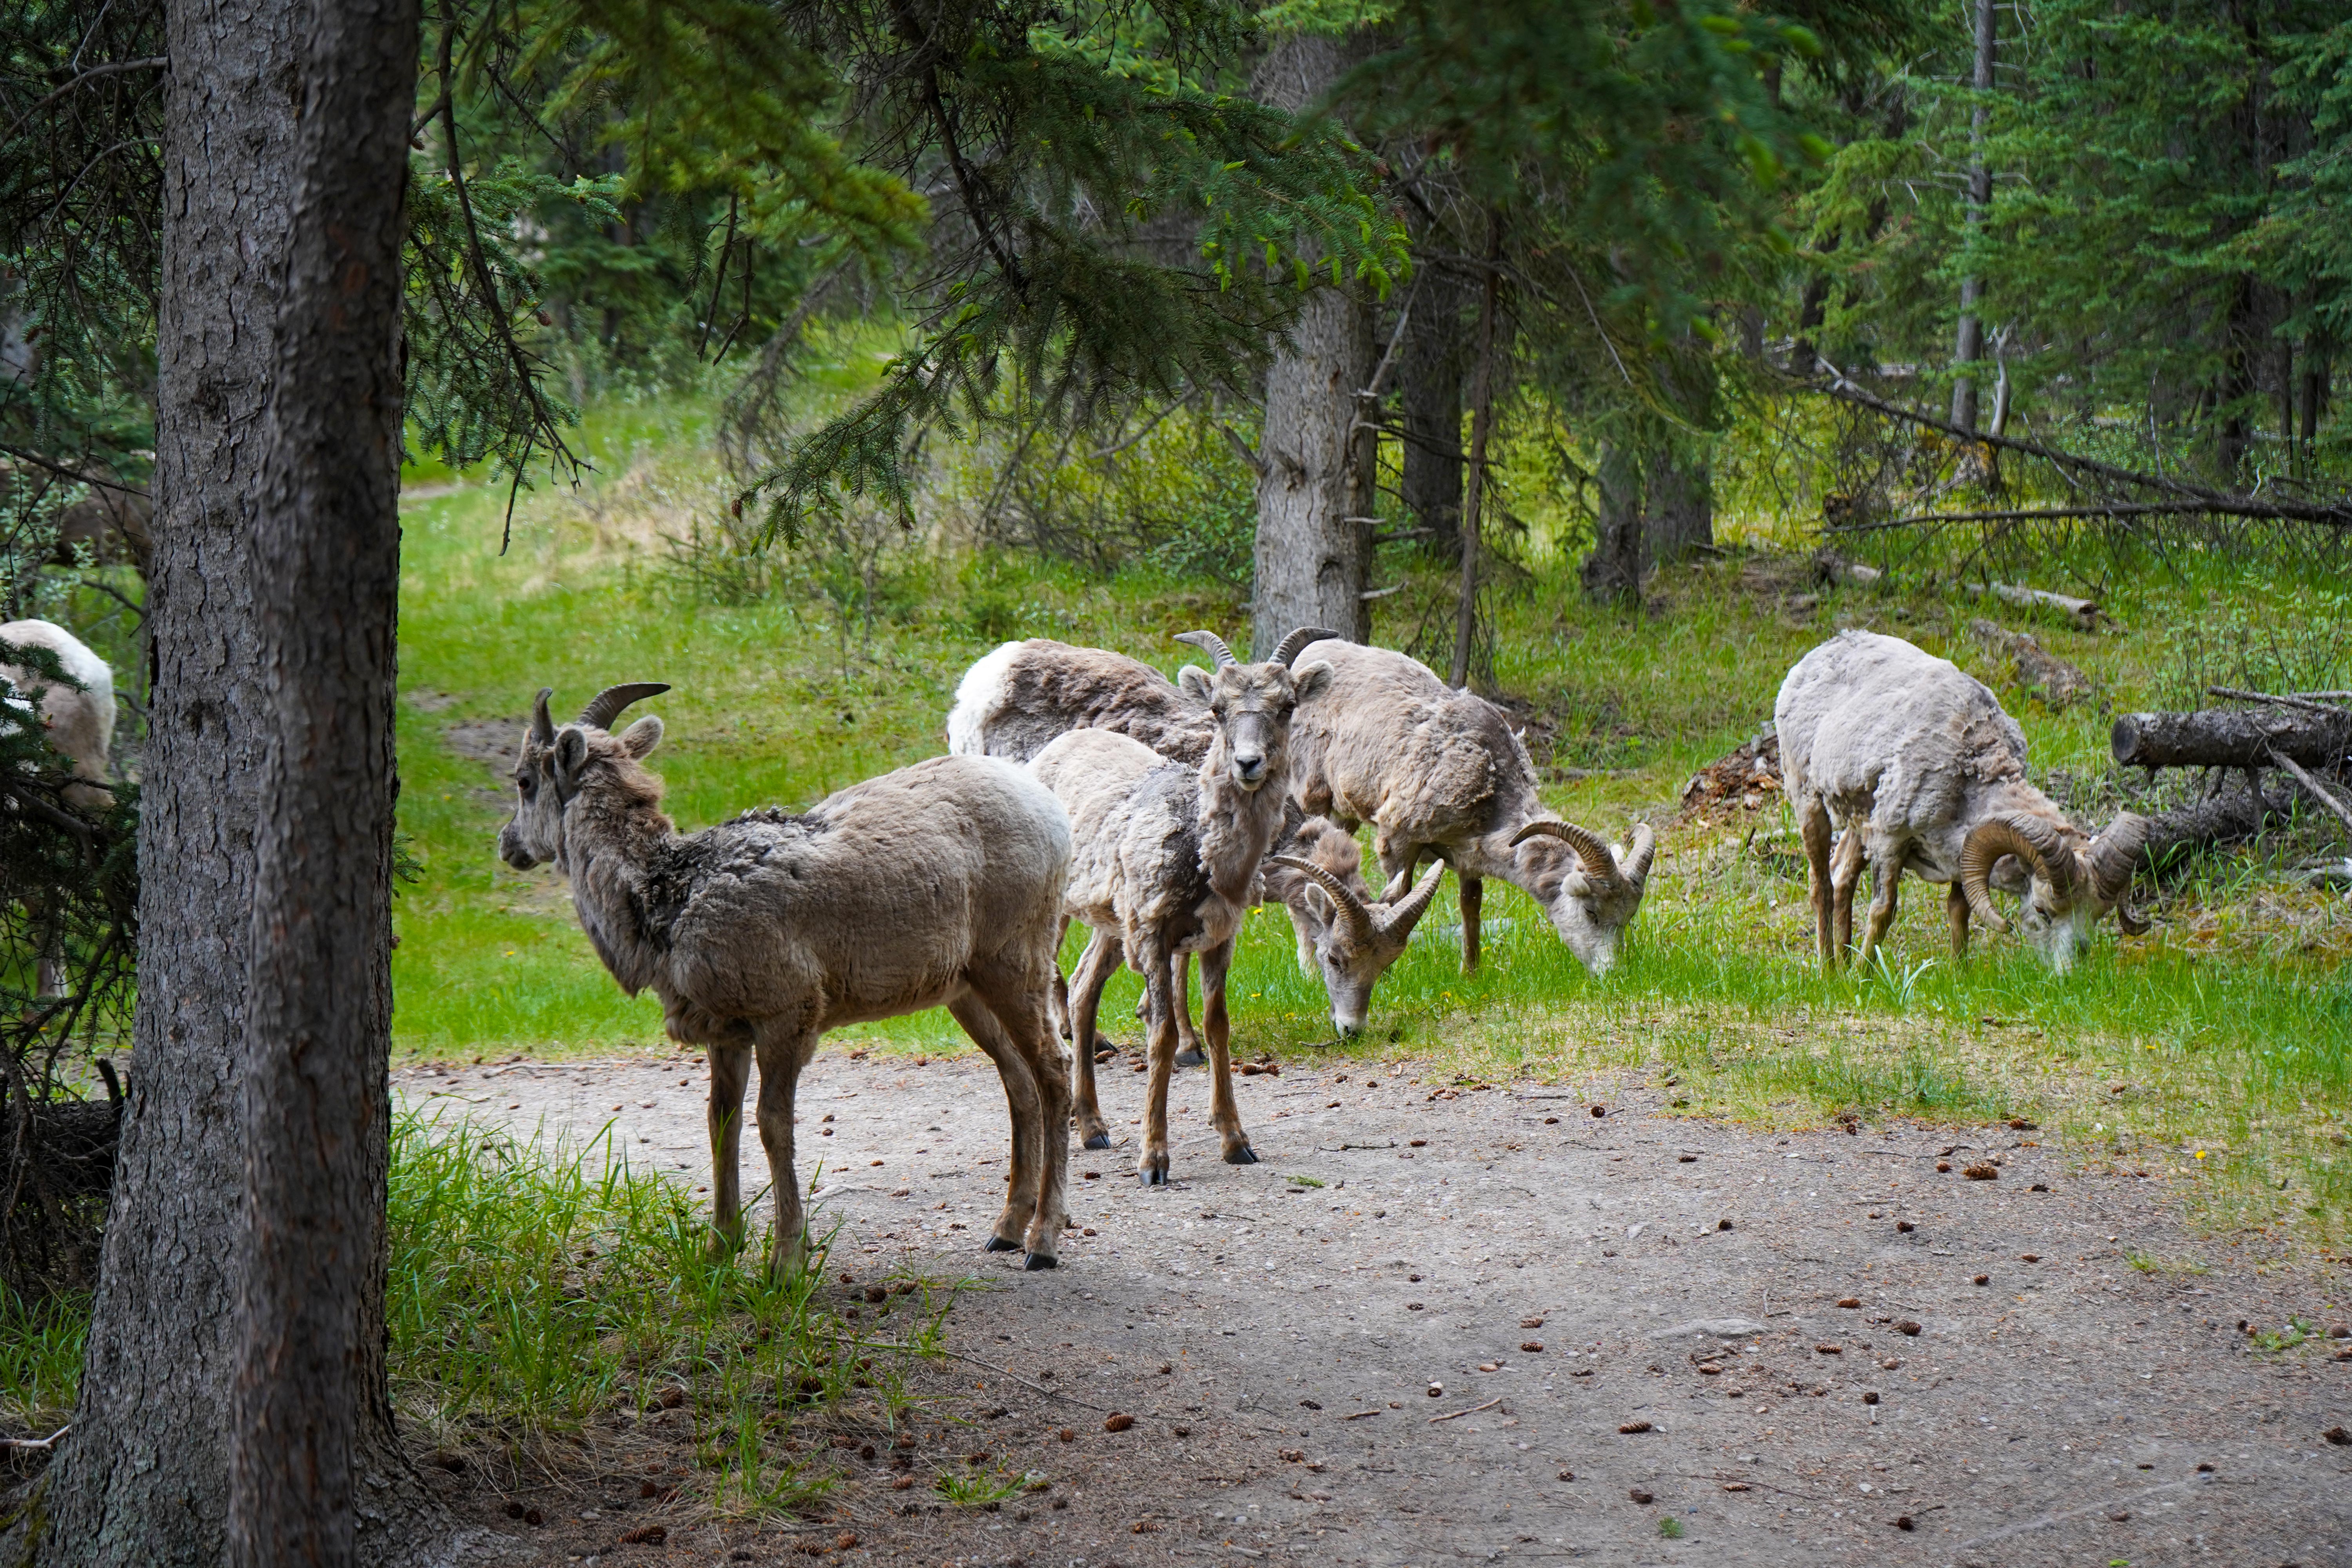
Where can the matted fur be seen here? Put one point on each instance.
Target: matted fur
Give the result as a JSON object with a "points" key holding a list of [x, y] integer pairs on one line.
{"points": [[938, 885]]}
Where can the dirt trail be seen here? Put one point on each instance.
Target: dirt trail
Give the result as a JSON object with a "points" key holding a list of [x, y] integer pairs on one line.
{"points": [[2063, 1412]]}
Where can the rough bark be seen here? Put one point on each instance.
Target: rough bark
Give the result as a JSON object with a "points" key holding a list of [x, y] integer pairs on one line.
{"points": [[1968, 339], [308, 1406], [1482, 430], [144, 1482], [1620, 557], [1312, 554], [2228, 738], [2229, 818], [1680, 495], [1432, 482]]}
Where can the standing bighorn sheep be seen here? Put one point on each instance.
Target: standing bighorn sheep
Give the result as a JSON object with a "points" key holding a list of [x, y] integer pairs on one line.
{"points": [[1019, 698], [1440, 772], [1166, 863], [939, 885], [1918, 766]]}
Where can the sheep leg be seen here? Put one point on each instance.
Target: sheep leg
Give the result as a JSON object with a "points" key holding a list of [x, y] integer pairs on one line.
{"points": [[1151, 957], [1225, 1112], [1397, 863], [1889, 879], [783, 1050], [731, 1071], [1473, 892], [1956, 907], [1180, 991], [977, 1014], [1815, 827], [1845, 875], [1039, 1199], [1101, 957], [1058, 998]]}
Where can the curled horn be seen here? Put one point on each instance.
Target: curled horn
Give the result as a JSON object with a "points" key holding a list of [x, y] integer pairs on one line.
{"points": [[2032, 840], [1352, 912], [543, 728], [1599, 864], [2115, 854], [606, 705], [1294, 644], [1210, 643], [1645, 851], [1406, 915]]}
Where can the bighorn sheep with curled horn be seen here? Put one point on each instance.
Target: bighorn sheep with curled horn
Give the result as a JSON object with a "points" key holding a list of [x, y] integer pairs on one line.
{"points": [[1918, 766], [1441, 773], [1166, 862], [1021, 696], [939, 885]]}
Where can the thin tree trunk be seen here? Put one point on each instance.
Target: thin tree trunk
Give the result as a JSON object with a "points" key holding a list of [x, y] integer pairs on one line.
{"points": [[1432, 482], [1312, 552], [308, 1392], [144, 1482], [1968, 345], [1620, 555], [1482, 428]]}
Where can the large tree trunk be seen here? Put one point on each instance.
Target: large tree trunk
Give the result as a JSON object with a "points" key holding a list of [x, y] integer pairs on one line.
{"points": [[1312, 482], [1621, 547], [309, 1411], [1680, 492], [144, 1482], [1432, 482]]}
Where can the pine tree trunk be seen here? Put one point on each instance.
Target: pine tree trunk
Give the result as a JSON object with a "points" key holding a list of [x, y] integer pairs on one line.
{"points": [[1681, 504], [144, 1482], [1620, 555], [1432, 482], [1311, 556], [1968, 347], [307, 1401]]}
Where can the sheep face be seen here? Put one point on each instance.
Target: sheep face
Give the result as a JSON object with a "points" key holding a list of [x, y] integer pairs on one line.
{"points": [[554, 767], [2069, 881], [1252, 704], [1354, 943], [1590, 889]]}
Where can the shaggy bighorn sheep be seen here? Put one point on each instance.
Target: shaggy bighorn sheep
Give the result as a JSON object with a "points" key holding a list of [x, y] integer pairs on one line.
{"points": [[1920, 768], [80, 722], [1440, 772], [1166, 862], [939, 885], [1016, 700]]}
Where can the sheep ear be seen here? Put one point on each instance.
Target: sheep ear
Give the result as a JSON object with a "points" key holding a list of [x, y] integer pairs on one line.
{"points": [[1316, 677], [640, 738], [1195, 682], [569, 756]]}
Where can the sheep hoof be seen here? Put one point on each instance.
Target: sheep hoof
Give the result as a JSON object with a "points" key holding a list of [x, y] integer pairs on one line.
{"points": [[1037, 1260], [1244, 1155], [1190, 1059], [1156, 1176], [998, 1243], [1097, 1141]]}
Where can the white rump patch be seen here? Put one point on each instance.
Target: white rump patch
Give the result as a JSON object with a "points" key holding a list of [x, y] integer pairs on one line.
{"points": [[978, 700]]}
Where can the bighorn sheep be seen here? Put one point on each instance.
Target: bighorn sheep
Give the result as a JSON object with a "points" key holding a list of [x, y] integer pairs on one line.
{"points": [[1019, 698], [937, 885], [1920, 768], [1166, 862], [1440, 772], [81, 724]]}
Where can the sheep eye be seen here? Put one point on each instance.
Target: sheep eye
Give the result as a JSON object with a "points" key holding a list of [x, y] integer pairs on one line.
{"points": [[525, 783]]}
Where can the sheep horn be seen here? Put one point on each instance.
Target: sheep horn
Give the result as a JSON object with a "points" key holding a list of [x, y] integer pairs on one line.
{"points": [[1645, 851], [543, 728], [2133, 922], [1210, 643], [1406, 915], [2032, 840], [1294, 644], [606, 705], [2115, 855], [1599, 864], [1352, 912]]}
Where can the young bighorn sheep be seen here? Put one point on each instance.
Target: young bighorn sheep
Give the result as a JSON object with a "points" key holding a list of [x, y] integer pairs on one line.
{"points": [[1441, 773], [1016, 700], [1918, 766], [939, 885], [1166, 862]]}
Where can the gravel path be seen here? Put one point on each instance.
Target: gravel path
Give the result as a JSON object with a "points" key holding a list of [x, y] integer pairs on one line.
{"points": [[1408, 1364]]}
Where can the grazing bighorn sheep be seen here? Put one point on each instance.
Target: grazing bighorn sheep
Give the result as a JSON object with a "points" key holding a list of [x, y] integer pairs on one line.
{"points": [[81, 724], [939, 885], [1166, 862], [1019, 698], [1920, 768], [1441, 771]]}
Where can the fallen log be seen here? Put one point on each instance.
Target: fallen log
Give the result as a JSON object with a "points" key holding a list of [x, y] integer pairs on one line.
{"points": [[2229, 738], [2231, 818], [2037, 668], [2084, 614]]}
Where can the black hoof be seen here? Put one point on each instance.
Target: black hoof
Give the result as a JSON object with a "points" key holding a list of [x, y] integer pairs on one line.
{"points": [[1153, 1178], [998, 1243], [1040, 1260], [1099, 1140], [1244, 1155], [1190, 1059]]}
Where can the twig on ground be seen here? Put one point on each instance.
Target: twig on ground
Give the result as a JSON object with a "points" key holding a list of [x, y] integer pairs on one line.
{"points": [[1457, 1415], [2299, 700], [2312, 787]]}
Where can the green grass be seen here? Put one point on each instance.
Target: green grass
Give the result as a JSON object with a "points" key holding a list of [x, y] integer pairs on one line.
{"points": [[2229, 1030], [40, 1360]]}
